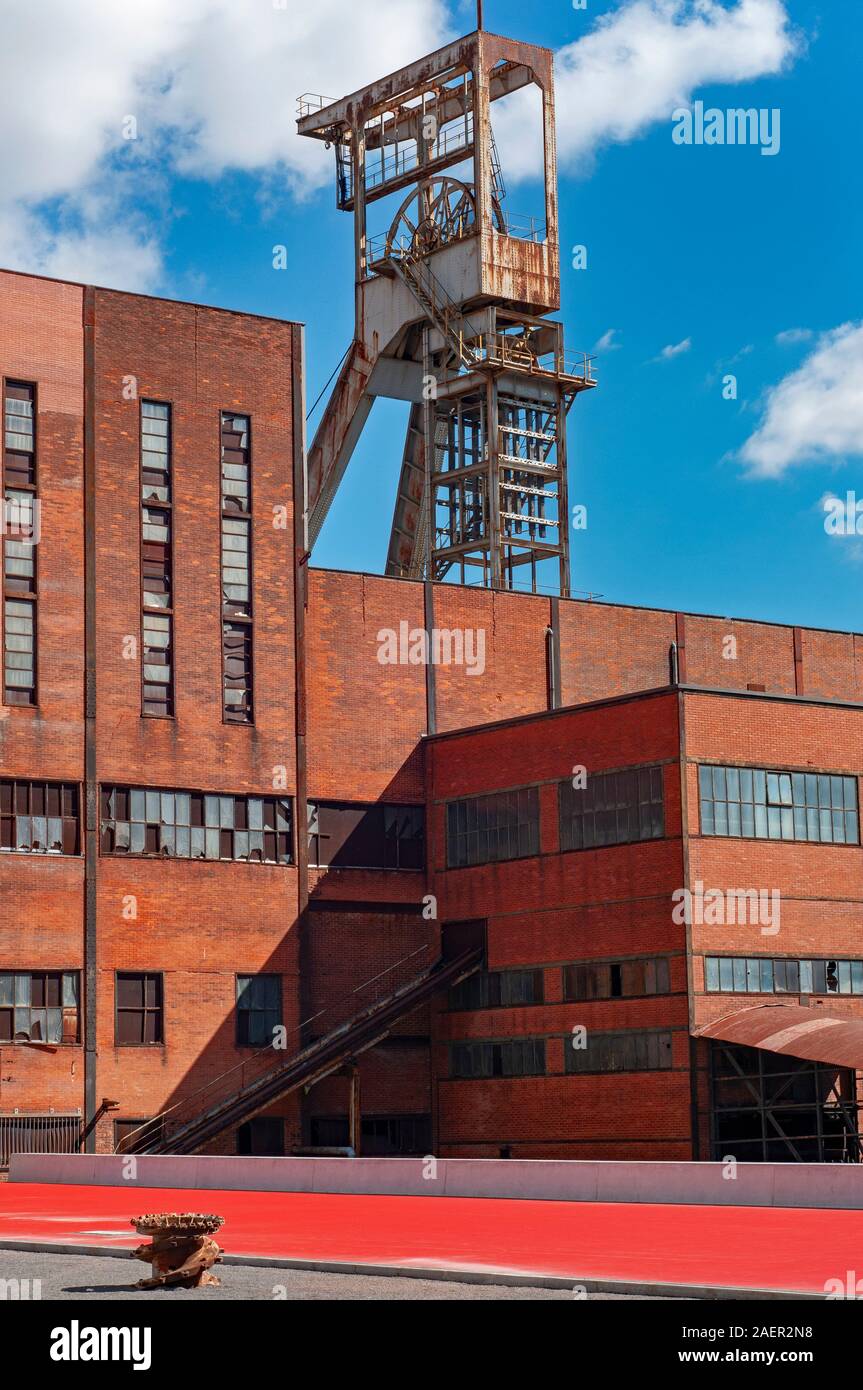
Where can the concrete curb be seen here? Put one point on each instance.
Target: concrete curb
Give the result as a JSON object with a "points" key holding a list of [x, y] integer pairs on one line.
{"points": [[456, 1275], [788, 1185]]}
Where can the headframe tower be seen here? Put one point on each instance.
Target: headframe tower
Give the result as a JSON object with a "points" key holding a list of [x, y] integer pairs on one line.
{"points": [[452, 299]]}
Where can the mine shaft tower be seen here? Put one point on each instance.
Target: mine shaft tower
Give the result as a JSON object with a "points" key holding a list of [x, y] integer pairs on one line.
{"points": [[451, 304]]}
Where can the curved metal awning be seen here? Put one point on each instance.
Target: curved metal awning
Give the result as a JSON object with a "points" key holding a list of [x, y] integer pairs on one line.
{"points": [[813, 1033]]}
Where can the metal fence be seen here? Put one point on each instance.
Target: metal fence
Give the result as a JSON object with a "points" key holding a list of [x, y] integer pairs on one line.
{"points": [[38, 1134]]}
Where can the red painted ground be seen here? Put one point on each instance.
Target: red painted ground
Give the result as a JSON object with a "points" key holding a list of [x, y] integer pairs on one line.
{"points": [[753, 1247]]}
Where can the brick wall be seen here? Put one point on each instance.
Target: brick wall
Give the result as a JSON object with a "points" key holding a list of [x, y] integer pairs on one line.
{"points": [[41, 898], [558, 908], [202, 924], [821, 885]]}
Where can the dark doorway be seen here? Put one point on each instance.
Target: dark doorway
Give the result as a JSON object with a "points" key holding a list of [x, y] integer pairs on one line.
{"points": [[263, 1137], [771, 1108]]}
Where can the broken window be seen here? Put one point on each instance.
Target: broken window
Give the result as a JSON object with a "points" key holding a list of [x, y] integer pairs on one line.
{"points": [[613, 808], [237, 668], [380, 836], [615, 979], [488, 829], [763, 975], [196, 825], [625, 1051], [139, 1010], [236, 570], [19, 537], [498, 989], [259, 1009], [755, 803], [39, 817], [514, 1057], [157, 624], [41, 1007]]}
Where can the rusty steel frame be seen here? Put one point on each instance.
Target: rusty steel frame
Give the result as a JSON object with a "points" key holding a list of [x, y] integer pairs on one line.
{"points": [[461, 306]]}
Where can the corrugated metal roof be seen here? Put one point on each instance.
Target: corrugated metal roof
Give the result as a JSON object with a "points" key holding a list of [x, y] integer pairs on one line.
{"points": [[813, 1033]]}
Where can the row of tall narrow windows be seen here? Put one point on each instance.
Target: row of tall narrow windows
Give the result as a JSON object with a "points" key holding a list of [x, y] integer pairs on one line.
{"points": [[18, 538], [157, 560], [157, 568], [20, 535]]}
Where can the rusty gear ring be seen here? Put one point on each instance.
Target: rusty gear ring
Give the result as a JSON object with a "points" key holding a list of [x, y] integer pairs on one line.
{"points": [[434, 214]]}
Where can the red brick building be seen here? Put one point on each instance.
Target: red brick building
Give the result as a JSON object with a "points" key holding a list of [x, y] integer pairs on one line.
{"points": [[239, 806]]}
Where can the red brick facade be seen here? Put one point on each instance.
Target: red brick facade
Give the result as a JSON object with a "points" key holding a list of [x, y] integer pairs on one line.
{"points": [[562, 684]]}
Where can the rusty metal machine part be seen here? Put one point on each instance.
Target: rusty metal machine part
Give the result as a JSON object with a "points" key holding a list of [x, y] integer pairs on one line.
{"points": [[182, 1250]]}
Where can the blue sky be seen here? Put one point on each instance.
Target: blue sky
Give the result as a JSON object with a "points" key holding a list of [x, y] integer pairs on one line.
{"points": [[694, 501]]}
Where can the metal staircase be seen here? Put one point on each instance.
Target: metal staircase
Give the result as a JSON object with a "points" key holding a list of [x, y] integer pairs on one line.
{"points": [[438, 306], [202, 1117]]}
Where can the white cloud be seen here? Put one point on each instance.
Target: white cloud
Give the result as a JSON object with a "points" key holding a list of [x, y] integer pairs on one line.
{"points": [[213, 83], [213, 87], [790, 336], [637, 64], [816, 412], [673, 350], [606, 343]]}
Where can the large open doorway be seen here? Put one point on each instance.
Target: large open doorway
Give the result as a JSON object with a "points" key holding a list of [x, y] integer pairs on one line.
{"points": [[769, 1107]]}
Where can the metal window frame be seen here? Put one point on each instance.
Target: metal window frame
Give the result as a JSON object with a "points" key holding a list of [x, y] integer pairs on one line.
{"points": [[495, 1071], [169, 612], [481, 976], [34, 704], [780, 772], [611, 961], [43, 1042], [532, 823], [144, 975], [609, 1037], [799, 961], [257, 975], [195, 791], [417, 809], [47, 782], [250, 621], [569, 813], [847, 1110]]}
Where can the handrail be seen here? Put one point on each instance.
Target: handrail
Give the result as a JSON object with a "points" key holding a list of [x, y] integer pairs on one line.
{"points": [[310, 102], [442, 306], [319, 1059], [171, 1114], [380, 172]]}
